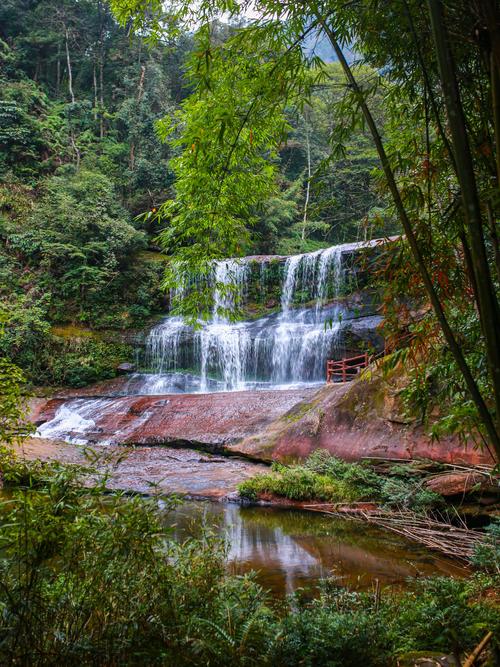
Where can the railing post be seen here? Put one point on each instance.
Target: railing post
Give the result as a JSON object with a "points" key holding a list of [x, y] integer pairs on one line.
{"points": [[343, 370]]}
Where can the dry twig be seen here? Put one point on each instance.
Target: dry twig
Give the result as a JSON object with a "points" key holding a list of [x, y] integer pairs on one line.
{"points": [[454, 541]]}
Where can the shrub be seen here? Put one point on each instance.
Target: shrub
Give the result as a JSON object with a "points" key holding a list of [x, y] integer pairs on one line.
{"points": [[408, 494], [298, 483], [487, 554], [358, 475], [78, 362], [325, 477], [349, 629], [443, 614], [340, 629], [90, 579]]}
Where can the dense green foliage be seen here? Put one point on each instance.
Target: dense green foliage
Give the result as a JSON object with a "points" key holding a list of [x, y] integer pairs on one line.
{"points": [[94, 579], [13, 424], [325, 477], [487, 554], [79, 158], [438, 143], [255, 172], [298, 483], [83, 106]]}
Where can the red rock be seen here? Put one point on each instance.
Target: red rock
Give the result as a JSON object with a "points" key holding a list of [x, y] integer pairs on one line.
{"points": [[455, 483], [213, 420], [170, 470], [353, 421]]}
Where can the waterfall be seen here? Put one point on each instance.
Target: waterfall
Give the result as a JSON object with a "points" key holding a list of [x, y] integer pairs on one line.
{"points": [[229, 287], [223, 345], [286, 348], [331, 258], [292, 267]]}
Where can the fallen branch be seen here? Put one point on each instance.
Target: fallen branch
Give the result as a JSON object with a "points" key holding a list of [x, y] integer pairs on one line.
{"points": [[478, 650], [457, 542]]}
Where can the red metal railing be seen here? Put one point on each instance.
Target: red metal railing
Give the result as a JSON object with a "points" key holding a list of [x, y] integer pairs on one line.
{"points": [[346, 369]]}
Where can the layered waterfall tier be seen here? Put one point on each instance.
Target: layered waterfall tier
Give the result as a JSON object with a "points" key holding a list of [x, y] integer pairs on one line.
{"points": [[288, 346]]}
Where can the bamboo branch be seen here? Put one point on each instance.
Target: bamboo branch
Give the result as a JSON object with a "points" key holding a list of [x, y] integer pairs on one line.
{"points": [[471, 384], [478, 650]]}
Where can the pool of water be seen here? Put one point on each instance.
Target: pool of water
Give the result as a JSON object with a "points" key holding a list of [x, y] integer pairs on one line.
{"points": [[291, 549]]}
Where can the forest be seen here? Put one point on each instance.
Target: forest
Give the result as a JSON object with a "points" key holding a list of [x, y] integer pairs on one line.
{"points": [[250, 304], [81, 103]]}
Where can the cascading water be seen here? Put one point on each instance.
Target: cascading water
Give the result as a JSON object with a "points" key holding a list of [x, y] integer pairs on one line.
{"points": [[286, 348]]}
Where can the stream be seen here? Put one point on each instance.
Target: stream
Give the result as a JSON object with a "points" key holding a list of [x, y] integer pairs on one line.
{"points": [[222, 383], [291, 549], [288, 548]]}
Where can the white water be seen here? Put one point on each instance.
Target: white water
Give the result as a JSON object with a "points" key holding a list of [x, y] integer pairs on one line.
{"points": [[74, 419], [287, 348]]}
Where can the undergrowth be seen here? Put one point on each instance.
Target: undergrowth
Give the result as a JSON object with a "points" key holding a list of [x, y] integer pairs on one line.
{"points": [[298, 483], [88, 578], [327, 478]]}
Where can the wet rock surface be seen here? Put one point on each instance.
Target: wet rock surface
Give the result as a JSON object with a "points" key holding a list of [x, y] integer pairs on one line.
{"points": [[360, 419], [213, 420], [168, 470], [353, 421]]}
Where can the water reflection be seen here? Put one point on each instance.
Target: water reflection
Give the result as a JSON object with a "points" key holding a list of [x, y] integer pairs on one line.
{"points": [[292, 549]]}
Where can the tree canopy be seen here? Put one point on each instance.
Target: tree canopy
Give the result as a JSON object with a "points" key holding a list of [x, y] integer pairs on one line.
{"points": [[439, 153]]}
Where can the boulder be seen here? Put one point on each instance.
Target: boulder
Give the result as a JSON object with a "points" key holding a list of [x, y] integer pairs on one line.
{"points": [[360, 419], [125, 368], [459, 483]]}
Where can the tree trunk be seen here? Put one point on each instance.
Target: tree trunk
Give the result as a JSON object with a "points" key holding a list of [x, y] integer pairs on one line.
{"points": [[101, 99], [101, 69], [140, 91], [68, 63], [58, 70], [489, 309], [72, 137], [94, 79], [308, 186], [472, 387]]}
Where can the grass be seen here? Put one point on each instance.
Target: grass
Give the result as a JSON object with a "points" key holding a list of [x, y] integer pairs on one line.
{"points": [[298, 483], [323, 477]]}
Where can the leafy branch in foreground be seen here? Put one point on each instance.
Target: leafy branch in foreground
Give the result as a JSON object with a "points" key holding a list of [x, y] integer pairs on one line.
{"points": [[227, 134], [89, 578], [14, 426]]}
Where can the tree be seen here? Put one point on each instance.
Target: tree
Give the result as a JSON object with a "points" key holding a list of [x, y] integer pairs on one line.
{"points": [[448, 41], [14, 426]]}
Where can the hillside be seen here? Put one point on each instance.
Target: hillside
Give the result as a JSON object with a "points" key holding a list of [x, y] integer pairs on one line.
{"points": [[82, 168]]}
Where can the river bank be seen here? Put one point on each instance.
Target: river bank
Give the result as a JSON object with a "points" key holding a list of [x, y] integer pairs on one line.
{"points": [[285, 543], [161, 574]]}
